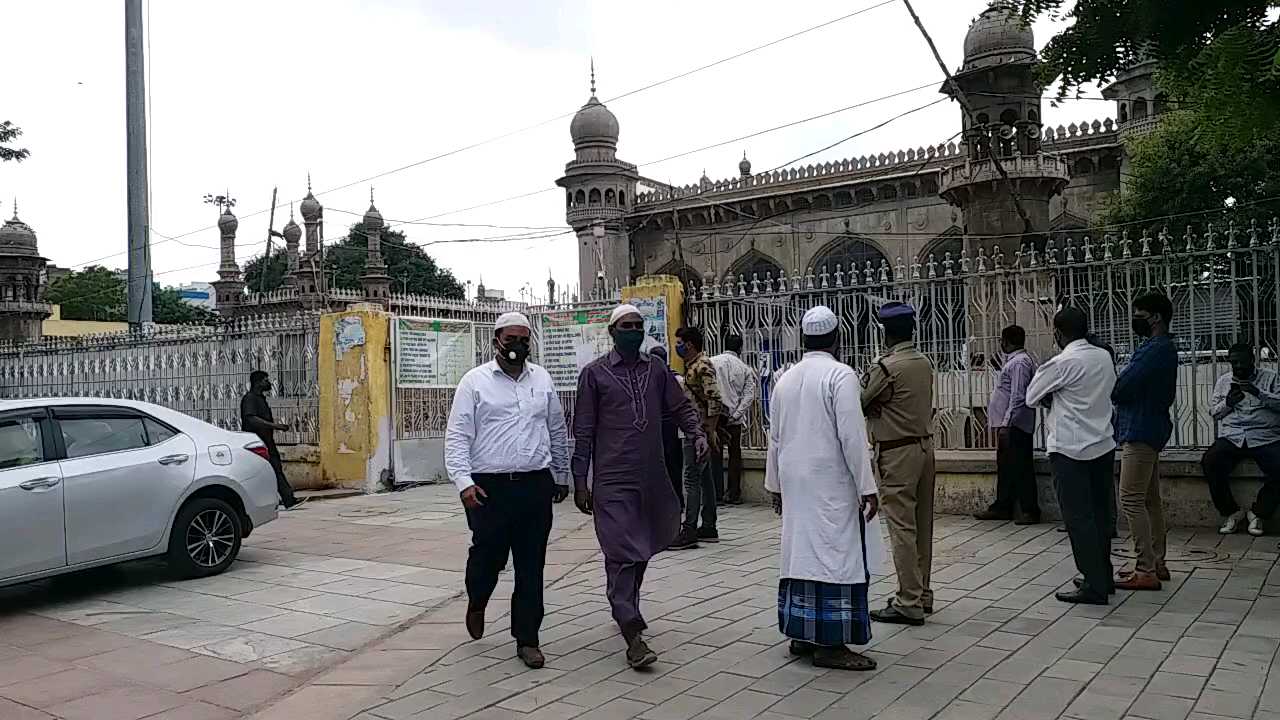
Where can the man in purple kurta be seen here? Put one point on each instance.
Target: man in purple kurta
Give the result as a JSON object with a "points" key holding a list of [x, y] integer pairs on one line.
{"points": [[617, 430]]}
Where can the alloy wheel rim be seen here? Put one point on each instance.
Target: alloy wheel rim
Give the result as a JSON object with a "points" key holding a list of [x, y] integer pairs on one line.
{"points": [[210, 538]]}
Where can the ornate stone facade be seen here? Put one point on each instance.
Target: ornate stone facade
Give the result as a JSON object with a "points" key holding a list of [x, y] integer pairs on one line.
{"points": [[22, 282], [869, 214]]}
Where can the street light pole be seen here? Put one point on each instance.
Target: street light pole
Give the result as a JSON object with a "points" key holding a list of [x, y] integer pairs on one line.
{"points": [[139, 287]]}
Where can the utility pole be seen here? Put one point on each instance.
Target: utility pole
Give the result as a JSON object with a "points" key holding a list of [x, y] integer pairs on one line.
{"points": [[136, 137]]}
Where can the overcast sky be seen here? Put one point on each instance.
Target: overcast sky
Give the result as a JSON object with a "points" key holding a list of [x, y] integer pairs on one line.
{"points": [[247, 95]]}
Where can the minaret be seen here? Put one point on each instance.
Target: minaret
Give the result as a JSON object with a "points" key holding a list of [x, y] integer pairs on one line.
{"points": [[599, 189], [229, 287], [22, 305], [292, 233], [310, 270], [744, 166], [999, 81], [376, 282]]}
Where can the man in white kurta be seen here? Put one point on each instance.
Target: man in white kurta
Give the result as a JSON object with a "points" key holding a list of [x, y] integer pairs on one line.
{"points": [[820, 464]]}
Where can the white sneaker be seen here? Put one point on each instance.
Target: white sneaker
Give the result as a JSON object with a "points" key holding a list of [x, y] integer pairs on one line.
{"points": [[1232, 523], [1255, 525]]}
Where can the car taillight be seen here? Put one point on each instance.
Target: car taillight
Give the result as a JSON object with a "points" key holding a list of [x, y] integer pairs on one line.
{"points": [[259, 449]]}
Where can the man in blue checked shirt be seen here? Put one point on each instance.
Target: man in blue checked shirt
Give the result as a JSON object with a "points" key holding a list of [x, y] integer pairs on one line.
{"points": [[1143, 394]]}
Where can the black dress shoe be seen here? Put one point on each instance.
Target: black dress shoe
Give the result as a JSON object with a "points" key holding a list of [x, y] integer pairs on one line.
{"points": [[1079, 583], [475, 622], [1027, 520], [1080, 597], [532, 657], [891, 615], [990, 514]]}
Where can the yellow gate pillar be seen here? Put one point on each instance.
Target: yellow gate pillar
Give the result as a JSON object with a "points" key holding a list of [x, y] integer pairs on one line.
{"points": [[651, 290], [355, 399]]}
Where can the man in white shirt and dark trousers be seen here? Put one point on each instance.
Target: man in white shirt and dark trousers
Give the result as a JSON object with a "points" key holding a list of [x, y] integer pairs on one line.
{"points": [[1075, 386], [506, 449], [1246, 404], [738, 390]]}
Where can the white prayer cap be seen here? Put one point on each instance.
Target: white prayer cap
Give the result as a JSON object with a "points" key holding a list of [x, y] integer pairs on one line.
{"points": [[819, 320], [622, 311], [512, 319]]}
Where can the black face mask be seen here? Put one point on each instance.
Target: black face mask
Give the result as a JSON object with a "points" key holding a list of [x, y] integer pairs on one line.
{"points": [[516, 351], [628, 341], [1141, 327]]}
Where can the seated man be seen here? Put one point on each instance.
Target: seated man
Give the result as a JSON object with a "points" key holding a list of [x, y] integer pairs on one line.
{"points": [[1246, 404]]}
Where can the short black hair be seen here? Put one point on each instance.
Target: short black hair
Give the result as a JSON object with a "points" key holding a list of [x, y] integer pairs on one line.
{"points": [[1241, 347], [733, 342], [691, 335], [1014, 335], [1154, 302], [1071, 322], [821, 342], [256, 376], [899, 327]]}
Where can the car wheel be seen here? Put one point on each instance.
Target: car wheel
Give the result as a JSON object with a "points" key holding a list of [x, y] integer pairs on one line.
{"points": [[205, 538]]}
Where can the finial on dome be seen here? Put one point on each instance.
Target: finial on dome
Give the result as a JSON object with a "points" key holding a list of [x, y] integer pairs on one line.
{"points": [[370, 194], [290, 209], [308, 181], [15, 207], [593, 76]]}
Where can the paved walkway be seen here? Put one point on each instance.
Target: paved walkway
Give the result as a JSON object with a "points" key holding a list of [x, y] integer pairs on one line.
{"points": [[127, 642], [998, 647]]}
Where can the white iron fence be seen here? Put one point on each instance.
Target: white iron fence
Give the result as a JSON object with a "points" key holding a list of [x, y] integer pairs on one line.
{"points": [[1222, 285], [199, 370]]}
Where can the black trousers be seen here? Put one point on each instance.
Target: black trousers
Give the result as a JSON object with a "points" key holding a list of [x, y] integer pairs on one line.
{"points": [[515, 519], [673, 458], [283, 488], [1221, 458], [731, 440], [1086, 495], [1015, 474]]}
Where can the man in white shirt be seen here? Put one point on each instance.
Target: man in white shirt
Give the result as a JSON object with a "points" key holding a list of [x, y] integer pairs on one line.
{"points": [[819, 470], [506, 449], [1075, 386], [738, 390]]}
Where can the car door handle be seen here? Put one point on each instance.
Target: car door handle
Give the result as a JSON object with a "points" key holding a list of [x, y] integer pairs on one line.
{"points": [[43, 483], [173, 459]]}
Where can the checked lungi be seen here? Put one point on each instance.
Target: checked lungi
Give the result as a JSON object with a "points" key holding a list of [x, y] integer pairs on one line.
{"points": [[823, 614]]}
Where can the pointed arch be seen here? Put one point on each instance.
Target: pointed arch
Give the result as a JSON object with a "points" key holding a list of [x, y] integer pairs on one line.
{"points": [[689, 278], [850, 252], [950, 240], [754, 264]]}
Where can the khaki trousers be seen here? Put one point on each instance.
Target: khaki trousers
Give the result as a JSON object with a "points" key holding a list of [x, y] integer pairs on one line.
{"points": [[1142, 505], [906, 499]]}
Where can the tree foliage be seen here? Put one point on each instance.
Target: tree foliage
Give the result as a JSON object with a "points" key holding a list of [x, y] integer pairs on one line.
{"points": [[1106, 36], [411, 269], [1218, 143], [8, 133], [97, 293]]}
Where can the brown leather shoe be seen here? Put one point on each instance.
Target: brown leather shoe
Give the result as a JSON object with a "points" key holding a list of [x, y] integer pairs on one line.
{"points": [[1139, 581], [475, 622], [532, 657]]}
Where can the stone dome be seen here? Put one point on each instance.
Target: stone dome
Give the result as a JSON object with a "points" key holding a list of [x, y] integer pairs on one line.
{"points": [[594, 123], [15, 234], [310, 207], [227, 223], [292, 233], [998, 36], [372, 218], [744, 166]]}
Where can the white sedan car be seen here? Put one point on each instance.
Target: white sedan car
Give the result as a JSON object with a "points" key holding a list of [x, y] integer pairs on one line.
{"points": [[87, 482]]}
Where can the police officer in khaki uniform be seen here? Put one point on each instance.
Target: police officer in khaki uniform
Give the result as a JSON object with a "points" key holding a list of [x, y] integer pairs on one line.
{"points": [[897, 399]]}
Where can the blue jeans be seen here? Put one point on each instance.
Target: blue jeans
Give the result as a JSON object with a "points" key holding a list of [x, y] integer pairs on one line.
{"points": [[699, 490]]}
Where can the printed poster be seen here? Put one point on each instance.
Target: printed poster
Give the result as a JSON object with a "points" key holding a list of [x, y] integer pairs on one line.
{"points": [[433, 353], [570, 339]]}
